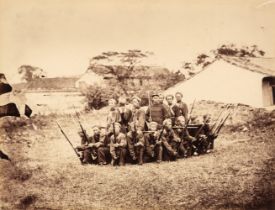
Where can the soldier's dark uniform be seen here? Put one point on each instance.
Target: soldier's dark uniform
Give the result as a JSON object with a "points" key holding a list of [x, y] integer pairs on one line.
{"points": [[135, 140], [154, 148], [171, 143], [209, 134], [185, 147], [156, 112], [101, 144], [85, 150], [118, 147], [183, 108]]}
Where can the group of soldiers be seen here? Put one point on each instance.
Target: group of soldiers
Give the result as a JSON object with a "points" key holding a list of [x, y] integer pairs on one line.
{"points": [[164, 131]]}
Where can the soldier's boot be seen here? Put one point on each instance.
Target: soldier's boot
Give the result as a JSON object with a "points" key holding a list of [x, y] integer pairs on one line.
{"points": [[122, 156], [140, 156], [159, 151]]}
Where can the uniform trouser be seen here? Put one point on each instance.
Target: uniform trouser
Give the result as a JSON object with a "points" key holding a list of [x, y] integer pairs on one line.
{"points": [[102, 154], [136, 151], [87, 155], [121, 154], [185, 148], [169, 149], [155, 152]]}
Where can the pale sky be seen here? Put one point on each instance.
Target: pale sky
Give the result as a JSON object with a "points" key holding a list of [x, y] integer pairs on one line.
{"points": [[61, 35]]}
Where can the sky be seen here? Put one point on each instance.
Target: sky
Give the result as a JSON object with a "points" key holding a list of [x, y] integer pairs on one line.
{"points": [[60, 36]]}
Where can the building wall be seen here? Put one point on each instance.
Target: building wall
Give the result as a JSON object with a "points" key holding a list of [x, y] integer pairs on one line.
{"points": [[54, 102], [223, 82]]}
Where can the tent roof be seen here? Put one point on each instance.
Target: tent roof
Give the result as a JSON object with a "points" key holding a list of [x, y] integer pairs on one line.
{"points": [[260, 65]]}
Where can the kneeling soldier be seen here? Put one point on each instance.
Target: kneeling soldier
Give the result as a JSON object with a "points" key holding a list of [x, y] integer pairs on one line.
{"points": [[100, 145], [153, 144], [170, 140], [135, 140], [185, 147], [118, 145]]}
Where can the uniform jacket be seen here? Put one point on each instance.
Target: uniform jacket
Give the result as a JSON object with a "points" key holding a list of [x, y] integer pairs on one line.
{"points": [[169, 136], [158, 113], [138, 116], [139, 138], [183, 110], [113, 116], [120, 139]]}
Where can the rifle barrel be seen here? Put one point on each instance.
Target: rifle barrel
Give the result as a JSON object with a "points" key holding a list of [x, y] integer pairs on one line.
{"points": [[66, 137]]}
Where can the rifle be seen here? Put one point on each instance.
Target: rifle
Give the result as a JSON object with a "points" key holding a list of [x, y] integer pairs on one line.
{"points": [[66, 137], [219, 115], [114, 132], [218, 129], [193, 104], [135, 134], [149, 107], [81, 127]]}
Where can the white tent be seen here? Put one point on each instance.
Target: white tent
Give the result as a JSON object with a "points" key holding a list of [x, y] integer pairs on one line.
{"points": [[232, 80]]}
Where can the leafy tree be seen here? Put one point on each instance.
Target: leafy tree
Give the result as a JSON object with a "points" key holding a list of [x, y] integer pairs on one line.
{"points": [[120, 65], [203, 60], [29, 73]]}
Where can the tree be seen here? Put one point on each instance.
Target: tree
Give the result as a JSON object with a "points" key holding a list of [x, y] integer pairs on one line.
{"points": [[120, 64], [29, 73], [203, 60]]}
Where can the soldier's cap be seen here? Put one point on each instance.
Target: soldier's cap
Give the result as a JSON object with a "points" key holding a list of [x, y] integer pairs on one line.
{"points": [[136, 98], [154, 94], [95, 126], [153, 124], [179, 93], [169, 95]]}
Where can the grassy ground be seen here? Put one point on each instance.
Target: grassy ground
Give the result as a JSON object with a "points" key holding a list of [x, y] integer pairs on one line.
{"points": [[45, 174]]}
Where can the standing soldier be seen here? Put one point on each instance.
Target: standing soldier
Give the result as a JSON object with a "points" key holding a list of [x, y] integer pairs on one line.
{"points": [[170, 141], [156, 112], [125, 114], [113, 115], [118, 146], [138, 114], [153, 144], [183, 109], [100, 144], [185, 148], [173, 109], [135, 140]]}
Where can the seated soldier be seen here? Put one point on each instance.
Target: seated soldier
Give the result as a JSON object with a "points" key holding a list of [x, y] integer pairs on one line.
{"points": [[154, 149], [200, 144], [170, 141], [100, 145], [185, 147], [210, 136], [85, 150], [135, 140], [118, 146]]}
